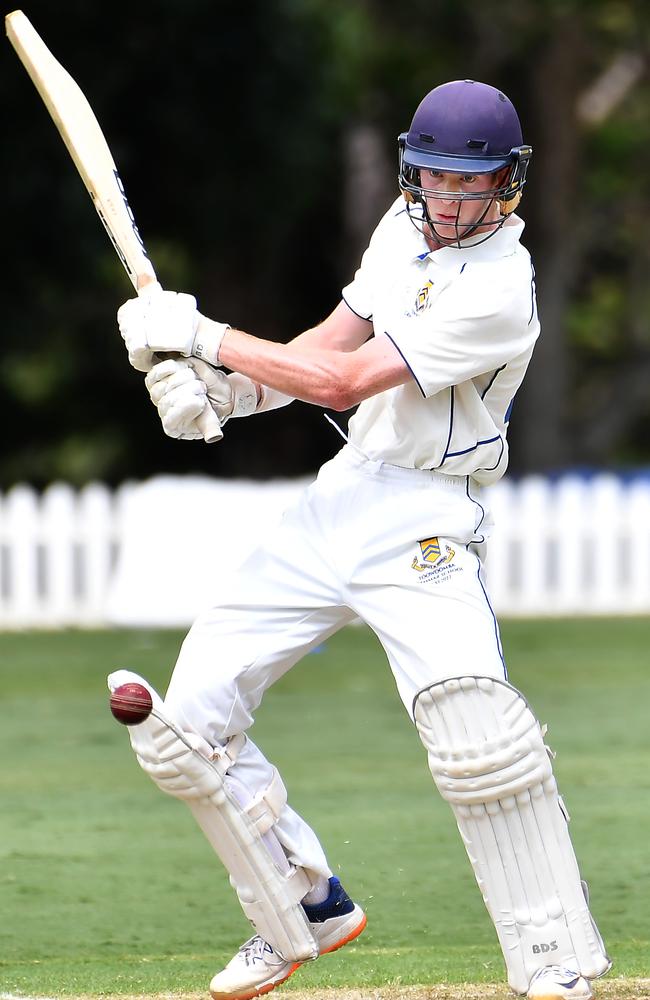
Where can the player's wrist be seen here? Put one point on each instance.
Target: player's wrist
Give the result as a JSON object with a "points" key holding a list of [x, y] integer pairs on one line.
{"points": [[271, 399], [245, 395], [207, 339]]}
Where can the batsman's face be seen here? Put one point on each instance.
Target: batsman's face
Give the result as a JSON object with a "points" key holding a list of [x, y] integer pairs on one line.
{"points": [[451, 213]]}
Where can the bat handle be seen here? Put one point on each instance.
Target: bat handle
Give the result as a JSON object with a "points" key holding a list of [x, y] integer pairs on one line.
{"points": [[207, 421], [142, 280], [208, 424]]}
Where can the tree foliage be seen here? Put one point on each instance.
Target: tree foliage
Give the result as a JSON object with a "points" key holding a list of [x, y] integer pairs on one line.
{"points": [[257, 145]]}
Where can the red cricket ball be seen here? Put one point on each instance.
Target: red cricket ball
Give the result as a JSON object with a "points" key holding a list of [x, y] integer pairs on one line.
{"points": [[131, 703]]}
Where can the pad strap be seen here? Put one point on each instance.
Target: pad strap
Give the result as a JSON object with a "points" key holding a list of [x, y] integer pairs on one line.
{"points": [[267, 805]]}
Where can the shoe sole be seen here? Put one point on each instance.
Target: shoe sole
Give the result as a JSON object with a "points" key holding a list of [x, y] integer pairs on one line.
{"points": [[555, 995], [560, 996], [261, 990]]}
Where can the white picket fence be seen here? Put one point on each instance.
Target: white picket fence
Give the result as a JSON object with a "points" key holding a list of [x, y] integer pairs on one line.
{"points": [[148, 554]]}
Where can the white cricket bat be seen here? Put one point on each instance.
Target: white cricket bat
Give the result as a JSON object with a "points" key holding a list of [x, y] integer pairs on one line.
{"points": [[92, 157]]}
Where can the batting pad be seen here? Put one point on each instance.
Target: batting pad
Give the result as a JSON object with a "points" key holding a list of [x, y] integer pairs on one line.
{"points": [[488, 759], [270, 890]]}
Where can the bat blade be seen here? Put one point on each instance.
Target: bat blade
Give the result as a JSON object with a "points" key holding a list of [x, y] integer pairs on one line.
{"points": [[85, 142], [87, 145]]}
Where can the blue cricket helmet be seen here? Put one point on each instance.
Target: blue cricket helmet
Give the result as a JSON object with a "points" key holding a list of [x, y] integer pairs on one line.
{"points": [[465, 127]]}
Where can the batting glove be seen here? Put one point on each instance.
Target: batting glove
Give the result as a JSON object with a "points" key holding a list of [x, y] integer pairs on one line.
{"points": [[159, 322], [231, 395], [179, 396]]}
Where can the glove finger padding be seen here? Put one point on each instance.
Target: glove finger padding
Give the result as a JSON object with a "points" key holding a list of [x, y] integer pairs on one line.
{"points": [[141, 357], [182, 403], [179, 396], [163, 369], [176, 380], [167, 375], [190, 433], [158, 321]]}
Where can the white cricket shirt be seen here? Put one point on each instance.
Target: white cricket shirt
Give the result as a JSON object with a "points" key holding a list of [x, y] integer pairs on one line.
{"points": [[465, 322]]}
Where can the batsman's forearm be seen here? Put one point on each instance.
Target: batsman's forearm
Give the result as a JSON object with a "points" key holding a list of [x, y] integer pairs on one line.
{"points": [[315, 376]]}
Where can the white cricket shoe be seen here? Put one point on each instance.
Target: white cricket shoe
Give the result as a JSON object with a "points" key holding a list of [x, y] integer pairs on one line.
{"points": [[257, 968], [555, 982]]}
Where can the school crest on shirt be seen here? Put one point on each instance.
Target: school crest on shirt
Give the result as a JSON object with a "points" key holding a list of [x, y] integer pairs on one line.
{"points": [[422, 300], [434, 560]]}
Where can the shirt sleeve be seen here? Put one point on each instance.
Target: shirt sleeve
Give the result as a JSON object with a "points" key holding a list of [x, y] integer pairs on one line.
{"points": [[474, 326], [359, 294]]}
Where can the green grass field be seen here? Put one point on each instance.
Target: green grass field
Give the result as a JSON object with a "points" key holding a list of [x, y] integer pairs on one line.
{"points": [[107, 887]]}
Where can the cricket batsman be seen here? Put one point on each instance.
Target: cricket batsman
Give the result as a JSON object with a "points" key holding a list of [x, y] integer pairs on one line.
{"points": [[431, 338]]}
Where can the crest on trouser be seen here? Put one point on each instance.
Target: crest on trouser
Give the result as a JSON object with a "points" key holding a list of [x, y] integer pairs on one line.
{"points": [[431, 554]]}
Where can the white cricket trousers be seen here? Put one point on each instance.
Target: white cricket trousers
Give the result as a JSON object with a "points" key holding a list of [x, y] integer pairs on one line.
{"points": [[399, 548]]}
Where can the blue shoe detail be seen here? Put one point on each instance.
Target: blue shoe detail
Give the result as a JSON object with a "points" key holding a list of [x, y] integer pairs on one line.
{"points": [[337, 904]]}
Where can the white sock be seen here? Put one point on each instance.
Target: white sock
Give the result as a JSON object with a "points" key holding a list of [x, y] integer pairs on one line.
{"points": [[318, 894]]}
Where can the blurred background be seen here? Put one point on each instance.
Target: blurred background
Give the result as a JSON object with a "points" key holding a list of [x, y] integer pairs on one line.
{"points": [[308, 97], [195, 97]]}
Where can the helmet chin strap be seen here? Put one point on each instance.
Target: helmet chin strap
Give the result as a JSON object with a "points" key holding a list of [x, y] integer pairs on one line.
{"points": [[508, 205]]}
